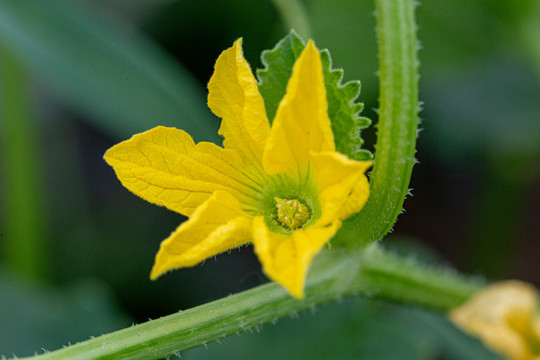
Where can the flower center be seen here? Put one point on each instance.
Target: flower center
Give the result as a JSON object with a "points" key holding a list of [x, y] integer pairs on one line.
{"points": [[291, 214]]}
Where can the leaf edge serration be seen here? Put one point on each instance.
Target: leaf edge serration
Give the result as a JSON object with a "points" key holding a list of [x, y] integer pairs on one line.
{"points": [[343, 107]]}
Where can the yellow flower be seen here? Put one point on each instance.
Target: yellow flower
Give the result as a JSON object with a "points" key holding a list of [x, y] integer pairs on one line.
{"points": [[283, 188], [505, 317]]}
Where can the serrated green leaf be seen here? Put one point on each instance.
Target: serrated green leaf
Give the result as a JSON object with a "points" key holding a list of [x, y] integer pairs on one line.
{"points": [[343, 109], [278, 64]]}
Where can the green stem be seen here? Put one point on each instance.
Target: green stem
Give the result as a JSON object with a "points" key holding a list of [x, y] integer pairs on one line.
{"points": [[335, 274], [23, 249], [294, 16], [529, 36], [405, 280], [397, 126]]}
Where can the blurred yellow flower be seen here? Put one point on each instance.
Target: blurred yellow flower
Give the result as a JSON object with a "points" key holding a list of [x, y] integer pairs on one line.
{"points": [[282, 187], [505, 317]]}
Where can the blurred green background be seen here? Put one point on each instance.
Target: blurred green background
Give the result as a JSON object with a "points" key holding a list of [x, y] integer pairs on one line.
{"points": [[76, 248]]}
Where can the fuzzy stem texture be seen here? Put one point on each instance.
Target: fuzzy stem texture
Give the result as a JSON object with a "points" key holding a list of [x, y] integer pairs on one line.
{"points": [[335, 274], [397, 125]]}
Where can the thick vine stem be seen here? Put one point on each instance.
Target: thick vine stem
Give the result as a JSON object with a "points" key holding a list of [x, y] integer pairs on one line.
{"points": [[397, 125], [336, 273]]}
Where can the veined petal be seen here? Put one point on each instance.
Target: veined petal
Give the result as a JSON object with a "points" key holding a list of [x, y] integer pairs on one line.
{"points": [[286, 259], [343, 186], [217, 225], [234, 97], [301, 124], [165, 167]]}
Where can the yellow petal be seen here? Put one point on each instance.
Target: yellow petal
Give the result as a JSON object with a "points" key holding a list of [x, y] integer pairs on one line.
{"points": [[217, 225], [301, 124], [343, 186], [165, 167], [502, 316], [234, 97], [286, 259]]}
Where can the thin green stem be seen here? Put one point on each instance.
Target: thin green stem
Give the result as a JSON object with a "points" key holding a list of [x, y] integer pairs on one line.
{"points": [[23, 234], [397, 126], [335, 274], [529, 36], [405, 280], [294, 16]]}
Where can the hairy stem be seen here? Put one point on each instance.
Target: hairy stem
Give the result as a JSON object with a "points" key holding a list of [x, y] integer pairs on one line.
{"points": [[335, 274], [397, 126]]}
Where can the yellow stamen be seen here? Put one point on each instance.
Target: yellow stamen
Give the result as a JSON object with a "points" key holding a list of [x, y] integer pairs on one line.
{"points": [[292, 214]]}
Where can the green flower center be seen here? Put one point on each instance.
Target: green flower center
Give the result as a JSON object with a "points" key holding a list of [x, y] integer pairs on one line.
{"points": [[291, 214]]}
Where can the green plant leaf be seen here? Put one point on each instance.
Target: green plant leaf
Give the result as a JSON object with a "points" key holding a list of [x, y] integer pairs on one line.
{"points": [[278, 64], [343, 109], [114, 74]]}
